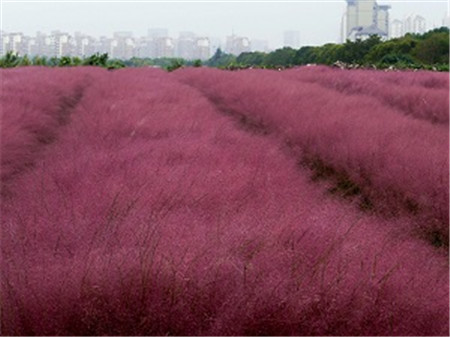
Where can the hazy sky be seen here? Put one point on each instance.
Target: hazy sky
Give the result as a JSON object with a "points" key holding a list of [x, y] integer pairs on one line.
{"points": [[317, 21]]}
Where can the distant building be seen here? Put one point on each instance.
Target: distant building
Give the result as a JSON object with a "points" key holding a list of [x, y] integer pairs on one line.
{"points": [[41, 46], [106, 45], [164, 47], [123, 45], [364, 18], [215, 43], [14, 42], [408, 24], [61, 44], [202, 48], [237, 44], [419, 24], [382, 17], [190, 47], [185, 45], [396, 29], [84, 45], [414, 24], [291, 39]]}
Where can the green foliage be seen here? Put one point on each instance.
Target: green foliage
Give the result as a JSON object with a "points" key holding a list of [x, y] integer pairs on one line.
{"points": [[53, 61], [10, 60], [175, 64], [283, 57], [197, 63], [25, 61], [139, 62], [115, 64], [221, 59], [393, 59], [355, 52], [305, 55], [329, 53], [433, 50], [96, 60], [251, 58], [426, 51], [65, 61], [39, 61], [76, 61]]}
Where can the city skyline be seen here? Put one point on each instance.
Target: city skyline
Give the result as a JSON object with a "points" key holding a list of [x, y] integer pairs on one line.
{"points": [[318, 23]]}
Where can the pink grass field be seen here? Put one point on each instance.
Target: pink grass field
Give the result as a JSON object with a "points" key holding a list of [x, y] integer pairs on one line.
{"points": [[310, 201]]}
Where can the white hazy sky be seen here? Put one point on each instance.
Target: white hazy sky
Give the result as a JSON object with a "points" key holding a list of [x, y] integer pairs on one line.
{"points": [[317, 21]]}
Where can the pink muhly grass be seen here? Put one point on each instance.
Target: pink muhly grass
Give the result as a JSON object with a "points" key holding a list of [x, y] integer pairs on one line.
{"points": [[399, 163], [422, 95], [154, 214], [36, 103]]}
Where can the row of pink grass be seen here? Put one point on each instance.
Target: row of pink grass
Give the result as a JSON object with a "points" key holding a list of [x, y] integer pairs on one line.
{"points": [[421, 94], [32, 113], [395, 159], [152, 213]]}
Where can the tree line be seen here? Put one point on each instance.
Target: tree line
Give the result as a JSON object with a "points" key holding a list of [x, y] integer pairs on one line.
{"points": [[419, 51], [412, 51]]}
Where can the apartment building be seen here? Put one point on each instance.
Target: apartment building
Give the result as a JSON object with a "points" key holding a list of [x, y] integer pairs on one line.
{"points": [[237, 44], [364, 18]]}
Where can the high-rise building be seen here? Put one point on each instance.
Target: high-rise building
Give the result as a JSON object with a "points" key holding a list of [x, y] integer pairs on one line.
{"points": [[14, 42], [364, 18], [164, 47], [414, 24], [185, 45], [292, 39], [237, 44], [106, 45], [202, 48], [396, 29], [124, 45], [84, 45], [419, 24], [408, 24], [61, 44], [382, 14]]}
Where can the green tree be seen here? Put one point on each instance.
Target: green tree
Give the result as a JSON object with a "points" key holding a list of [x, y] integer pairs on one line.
{"points": [[283, 57], [115, 64], [25, 61], [96, 59], [329, 53], [256, 58], [53, 61], [65, 61], [356, 51], [221, 59], [175, 64], [39, 60], [306, 55], [76, 61], [9, 60], [197, 63], [433, 49]]}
